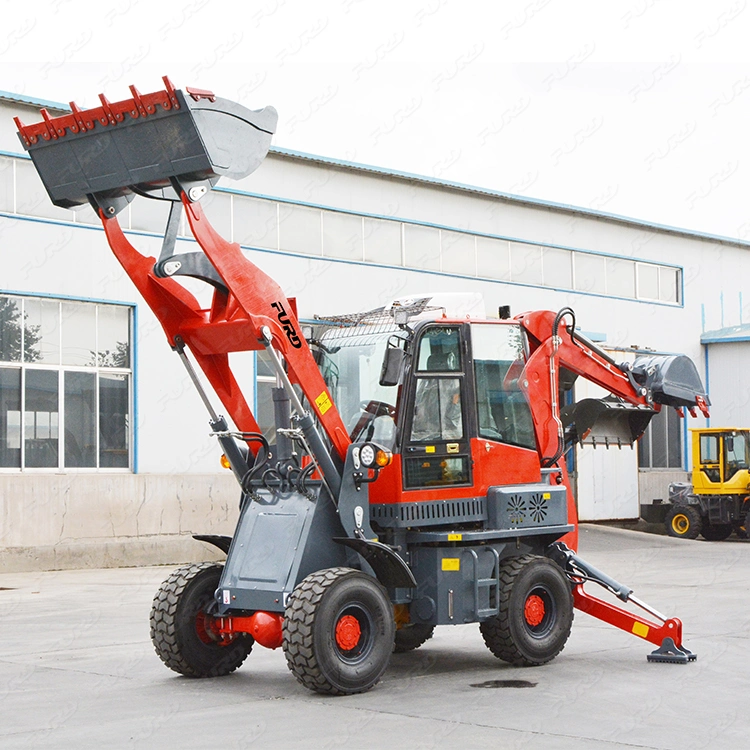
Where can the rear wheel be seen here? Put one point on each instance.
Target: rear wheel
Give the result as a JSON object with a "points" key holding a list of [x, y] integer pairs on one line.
{"points": [[181, 629], [536, 612], [410, 637], [716, 532], [338, 631], [683, 521]]}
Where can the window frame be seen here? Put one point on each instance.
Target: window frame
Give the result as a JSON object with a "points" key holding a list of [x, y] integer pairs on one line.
{"points": [[97, 369], [673, 433]]}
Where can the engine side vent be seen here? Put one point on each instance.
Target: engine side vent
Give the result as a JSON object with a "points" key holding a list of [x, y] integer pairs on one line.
{"points": [[431, 513], [524, 506]]}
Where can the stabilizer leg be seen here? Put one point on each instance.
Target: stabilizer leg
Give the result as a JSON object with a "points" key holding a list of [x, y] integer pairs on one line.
{"points": [[666, 633]]}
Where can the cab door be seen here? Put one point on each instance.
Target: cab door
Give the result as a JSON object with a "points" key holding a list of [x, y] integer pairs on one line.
{"points": [[436, 448], [709, 461]]}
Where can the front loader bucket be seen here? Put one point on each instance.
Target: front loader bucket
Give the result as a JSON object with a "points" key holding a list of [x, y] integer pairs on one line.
{"points": [[142, 144], [672, 380], [595, 422]]}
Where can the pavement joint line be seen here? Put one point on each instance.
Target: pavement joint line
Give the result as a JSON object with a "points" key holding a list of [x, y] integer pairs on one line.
{"points": [[53, 668], [556, 735], [83, 648]]}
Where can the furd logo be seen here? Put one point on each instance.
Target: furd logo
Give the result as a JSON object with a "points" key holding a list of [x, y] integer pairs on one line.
{"points": [[286, 324]]}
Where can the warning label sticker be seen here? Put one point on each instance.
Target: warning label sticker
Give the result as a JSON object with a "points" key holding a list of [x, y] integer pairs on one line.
{"points": [[451, 563], [323, 402]]}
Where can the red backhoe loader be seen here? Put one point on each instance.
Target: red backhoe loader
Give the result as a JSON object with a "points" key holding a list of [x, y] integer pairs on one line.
{"points": [[428, 488]]}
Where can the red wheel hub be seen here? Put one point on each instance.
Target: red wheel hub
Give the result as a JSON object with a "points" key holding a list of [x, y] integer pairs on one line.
{"points": [[348, 632], [204, 627], [534, 610]]}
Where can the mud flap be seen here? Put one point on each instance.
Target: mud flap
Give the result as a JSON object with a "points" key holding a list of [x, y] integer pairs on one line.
{"points": [[222, 542]]}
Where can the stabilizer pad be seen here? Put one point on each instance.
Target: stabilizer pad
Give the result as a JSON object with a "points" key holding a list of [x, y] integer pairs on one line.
{"points": [[669, 653]]}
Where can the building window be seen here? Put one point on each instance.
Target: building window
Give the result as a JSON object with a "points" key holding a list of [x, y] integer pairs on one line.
{"points": [[265, 223], [65, 384], [661, 444]]}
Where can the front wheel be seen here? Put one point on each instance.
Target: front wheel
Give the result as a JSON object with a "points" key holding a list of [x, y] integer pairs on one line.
{"points": [[181, 628], [536, 612], [716, 532], [683, 521], [338, 631]]}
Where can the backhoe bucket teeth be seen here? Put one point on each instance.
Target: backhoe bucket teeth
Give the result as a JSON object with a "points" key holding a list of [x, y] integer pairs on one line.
{"points": [[602, 422], [672, 380], [144, 145]]}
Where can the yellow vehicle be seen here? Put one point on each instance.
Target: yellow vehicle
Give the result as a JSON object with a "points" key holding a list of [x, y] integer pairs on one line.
{"points": [[718, 500]]}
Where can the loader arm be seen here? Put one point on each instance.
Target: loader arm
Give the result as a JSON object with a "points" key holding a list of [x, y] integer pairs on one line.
{"points": [[174, 145], [235, 321]]}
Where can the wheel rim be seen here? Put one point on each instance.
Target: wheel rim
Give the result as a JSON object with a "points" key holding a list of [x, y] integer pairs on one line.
{"points": [[534, 610], [680, 523], [348, 632], [207, 630], [201, 628], [353, 633], [539, 612]]}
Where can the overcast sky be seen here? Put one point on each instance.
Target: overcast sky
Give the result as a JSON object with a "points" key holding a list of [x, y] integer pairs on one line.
{"points": [[639, 108]]}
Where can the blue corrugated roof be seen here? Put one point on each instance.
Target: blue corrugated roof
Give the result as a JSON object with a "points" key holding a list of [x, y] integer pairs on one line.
{"points": [[727, 335], [448, 184], [520, 199], [18, 98]]}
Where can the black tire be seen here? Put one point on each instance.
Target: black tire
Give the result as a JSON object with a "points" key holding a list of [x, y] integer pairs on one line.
{"points": [[410, 637], [178, 625], [338, 631], [683, 522], [536, 612], [716, 532]]}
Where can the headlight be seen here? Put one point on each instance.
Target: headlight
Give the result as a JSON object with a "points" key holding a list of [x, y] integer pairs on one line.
{"points": [[367, 455], [373, 456]]}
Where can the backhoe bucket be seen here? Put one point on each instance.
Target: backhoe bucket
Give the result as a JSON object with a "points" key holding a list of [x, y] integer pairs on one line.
{"points": [[596, 422], [672, 380], [192, 137]]}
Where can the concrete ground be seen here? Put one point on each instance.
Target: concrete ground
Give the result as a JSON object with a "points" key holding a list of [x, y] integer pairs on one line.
{"points": [[77, 670]]}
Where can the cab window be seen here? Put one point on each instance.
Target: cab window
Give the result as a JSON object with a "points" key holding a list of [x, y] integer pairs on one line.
{"points": [[735, 458], [709, 457], [502, 410], [437, 452]]}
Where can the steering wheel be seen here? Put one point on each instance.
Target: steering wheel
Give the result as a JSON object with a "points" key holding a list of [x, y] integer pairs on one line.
{"points": [[378, 408], [371, 410]]}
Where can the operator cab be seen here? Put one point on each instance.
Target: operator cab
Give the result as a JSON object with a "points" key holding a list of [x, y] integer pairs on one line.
{"points": [[456, 395], [721, 455]]}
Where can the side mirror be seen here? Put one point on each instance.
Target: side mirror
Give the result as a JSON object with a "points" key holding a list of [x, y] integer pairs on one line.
{"points": [[729, 442], [393, 360]]}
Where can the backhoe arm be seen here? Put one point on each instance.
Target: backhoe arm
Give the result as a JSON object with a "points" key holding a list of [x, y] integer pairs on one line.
{"points": [[647, 384]]}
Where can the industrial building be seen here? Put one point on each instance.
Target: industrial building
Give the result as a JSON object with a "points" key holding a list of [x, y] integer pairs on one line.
{"points": [[105, 453]]}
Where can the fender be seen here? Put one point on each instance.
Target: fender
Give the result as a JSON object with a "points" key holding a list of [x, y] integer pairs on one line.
{"points": [[389, 568]]}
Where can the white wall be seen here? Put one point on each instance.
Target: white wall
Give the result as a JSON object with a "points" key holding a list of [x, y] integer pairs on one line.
{"points": [[729, 379], [41, 256]]}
